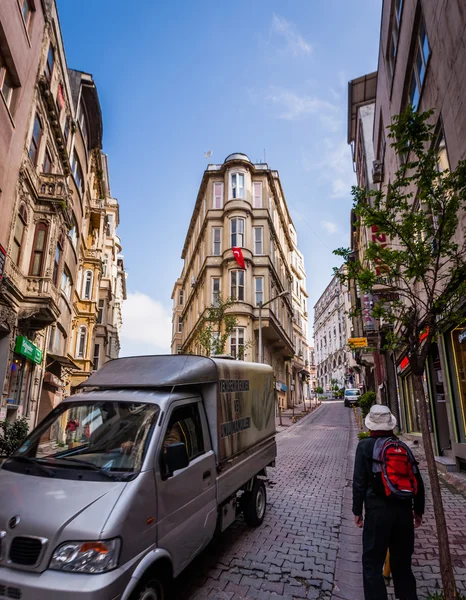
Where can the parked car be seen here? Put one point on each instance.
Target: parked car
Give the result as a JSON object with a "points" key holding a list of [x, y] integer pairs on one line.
{"points": [[121, 486], [352, 397]]}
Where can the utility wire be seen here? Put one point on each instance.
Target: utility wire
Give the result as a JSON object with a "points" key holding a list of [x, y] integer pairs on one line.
{"points": [[304, 220]]}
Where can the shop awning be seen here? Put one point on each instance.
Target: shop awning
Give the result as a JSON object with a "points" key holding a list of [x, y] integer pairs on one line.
{"points": [[63, 361]]}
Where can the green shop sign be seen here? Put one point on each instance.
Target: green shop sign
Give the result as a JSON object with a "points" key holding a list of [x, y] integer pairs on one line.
{"points": [[27, 349]]}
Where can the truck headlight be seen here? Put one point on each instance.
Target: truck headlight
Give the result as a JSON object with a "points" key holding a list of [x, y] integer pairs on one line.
{"points": [[86, 557]]}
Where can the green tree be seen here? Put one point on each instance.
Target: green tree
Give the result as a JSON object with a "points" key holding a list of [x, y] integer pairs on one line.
{"points": [[215, 327], [13, 435], [423, 261]]}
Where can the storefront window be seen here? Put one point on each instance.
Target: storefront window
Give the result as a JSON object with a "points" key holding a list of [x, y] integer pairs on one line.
{"points": [[458, 339], [412, 413], [19, 383]]}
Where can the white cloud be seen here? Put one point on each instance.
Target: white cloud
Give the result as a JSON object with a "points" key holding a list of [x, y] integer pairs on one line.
{"points": [[329, 226], [295, 42], [147, 326], [295, 106], [334, 166]]}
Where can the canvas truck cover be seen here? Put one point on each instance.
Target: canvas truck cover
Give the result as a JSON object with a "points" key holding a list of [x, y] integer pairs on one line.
{"points": [[239, 396]]}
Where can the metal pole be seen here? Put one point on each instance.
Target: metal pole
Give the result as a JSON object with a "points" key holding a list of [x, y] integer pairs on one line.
{"points": [[261, 360]]}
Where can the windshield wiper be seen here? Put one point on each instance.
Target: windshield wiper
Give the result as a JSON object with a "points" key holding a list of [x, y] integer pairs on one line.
{"points": [[86, 465], [31, 461]]}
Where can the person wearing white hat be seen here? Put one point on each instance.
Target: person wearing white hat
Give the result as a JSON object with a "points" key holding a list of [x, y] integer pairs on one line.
{"points": [[393, 504]]}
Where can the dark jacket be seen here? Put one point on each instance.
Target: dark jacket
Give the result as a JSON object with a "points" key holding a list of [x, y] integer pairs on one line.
{"points": [[368, 488]]}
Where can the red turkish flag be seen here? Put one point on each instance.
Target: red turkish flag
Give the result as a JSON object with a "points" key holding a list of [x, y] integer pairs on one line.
{"points": [[238, 254]]}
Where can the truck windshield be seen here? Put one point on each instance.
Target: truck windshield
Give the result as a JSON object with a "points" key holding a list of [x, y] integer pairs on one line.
{"points": [[352, 393], [110, 437]]}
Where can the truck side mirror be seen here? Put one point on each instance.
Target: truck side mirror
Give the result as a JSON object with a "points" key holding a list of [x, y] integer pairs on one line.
{"points": [[176, 458]]}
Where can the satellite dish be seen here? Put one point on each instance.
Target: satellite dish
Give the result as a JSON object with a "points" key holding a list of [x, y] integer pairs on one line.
{"points": [[208, 154]]}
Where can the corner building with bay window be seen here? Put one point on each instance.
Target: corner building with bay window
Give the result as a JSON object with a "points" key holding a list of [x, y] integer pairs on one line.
{"points": [[241, 204]]}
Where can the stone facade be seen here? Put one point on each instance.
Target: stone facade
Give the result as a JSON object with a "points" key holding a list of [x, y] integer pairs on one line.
{"points": [[54, 210]]}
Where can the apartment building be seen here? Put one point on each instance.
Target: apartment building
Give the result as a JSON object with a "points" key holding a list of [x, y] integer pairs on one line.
{"points": [[242, 205], [421, 62], [49, 190], [331, 331]]}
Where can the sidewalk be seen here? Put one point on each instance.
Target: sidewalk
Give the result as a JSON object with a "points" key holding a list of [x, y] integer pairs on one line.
{"points": [[300, 411]]}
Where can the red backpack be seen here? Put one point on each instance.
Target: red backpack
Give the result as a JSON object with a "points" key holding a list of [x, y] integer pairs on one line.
{"points": [[397, 466]]}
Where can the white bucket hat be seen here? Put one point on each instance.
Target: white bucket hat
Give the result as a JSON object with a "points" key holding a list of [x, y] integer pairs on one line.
{"points": [[380, 418]]}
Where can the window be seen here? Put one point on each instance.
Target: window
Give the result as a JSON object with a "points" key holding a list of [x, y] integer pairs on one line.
{"points": [[421, 58], [57, 260], [82, 120], [77, 172], [185, 427], [259, 288], [6, 83], [26, 12], [109, 228], [258, 240], [237, 285], [87, 285], [95, 360], [393, 36], [443, 164], [237, 185], [100, 311], [35, 141], [180, 324], [215, 290], [237, 343], [217, 241], [66, 129], [66, 283], [105, 265], [47, 165], [81, 341], [257, 199], [21, 221], [218, 195], [38, 250], [237, 233], [179, 348], [74, 234], [181, 297]]}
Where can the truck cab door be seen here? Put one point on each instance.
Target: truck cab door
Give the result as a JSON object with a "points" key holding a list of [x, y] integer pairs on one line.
{"points": [[186, 499]]}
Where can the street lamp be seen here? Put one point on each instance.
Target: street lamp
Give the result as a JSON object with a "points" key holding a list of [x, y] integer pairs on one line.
{"points": [[261, 306]]}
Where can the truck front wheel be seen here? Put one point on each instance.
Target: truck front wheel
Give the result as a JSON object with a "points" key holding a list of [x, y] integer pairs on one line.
{"points": [[255, 503], [151, 590]]}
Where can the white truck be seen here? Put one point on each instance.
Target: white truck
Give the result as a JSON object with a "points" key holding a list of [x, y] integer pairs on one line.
{"points": [[122, 485]]}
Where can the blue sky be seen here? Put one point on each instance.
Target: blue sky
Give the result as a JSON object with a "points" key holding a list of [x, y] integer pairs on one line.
{"points": [[176, 79]]}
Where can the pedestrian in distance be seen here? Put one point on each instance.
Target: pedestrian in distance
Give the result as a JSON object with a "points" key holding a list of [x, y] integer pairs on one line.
{"points": [[387, 485]]}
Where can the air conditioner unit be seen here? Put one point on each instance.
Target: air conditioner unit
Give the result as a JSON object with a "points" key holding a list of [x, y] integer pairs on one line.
{"points": [[377, 171]]}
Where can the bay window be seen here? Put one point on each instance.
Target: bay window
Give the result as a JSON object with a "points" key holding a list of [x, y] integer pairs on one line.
{"points": [[237, 233], [237, 285], [237, 185]]}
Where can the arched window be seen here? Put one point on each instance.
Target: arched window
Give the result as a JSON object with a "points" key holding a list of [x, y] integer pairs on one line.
{"points": [[38, 250], [21, 223], [81, 341], [87, 285]]}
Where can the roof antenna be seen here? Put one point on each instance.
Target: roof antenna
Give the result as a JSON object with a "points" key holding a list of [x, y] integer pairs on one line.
{"points": [[265, 161]]}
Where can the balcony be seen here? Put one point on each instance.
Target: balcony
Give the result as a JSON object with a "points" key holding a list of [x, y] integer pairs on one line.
{"points": [[54, 120], [273, 333], [53, 187], [41, 302]]}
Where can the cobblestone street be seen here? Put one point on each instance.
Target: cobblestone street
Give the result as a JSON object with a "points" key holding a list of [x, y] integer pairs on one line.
{"points": [[308, 546]]}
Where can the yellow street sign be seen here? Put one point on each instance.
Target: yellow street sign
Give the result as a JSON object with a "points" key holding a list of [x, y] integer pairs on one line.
{"points": [[357, 342]]}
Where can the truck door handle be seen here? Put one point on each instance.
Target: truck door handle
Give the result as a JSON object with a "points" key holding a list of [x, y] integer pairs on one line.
{"points": [[206, 475]]}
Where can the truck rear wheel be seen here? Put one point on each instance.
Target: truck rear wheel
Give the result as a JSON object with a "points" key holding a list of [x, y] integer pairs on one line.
{"points": [[255, 504]]}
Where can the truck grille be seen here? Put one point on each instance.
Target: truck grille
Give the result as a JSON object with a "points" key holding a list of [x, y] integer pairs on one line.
{"points": [[10, 592], [25, 551]]}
